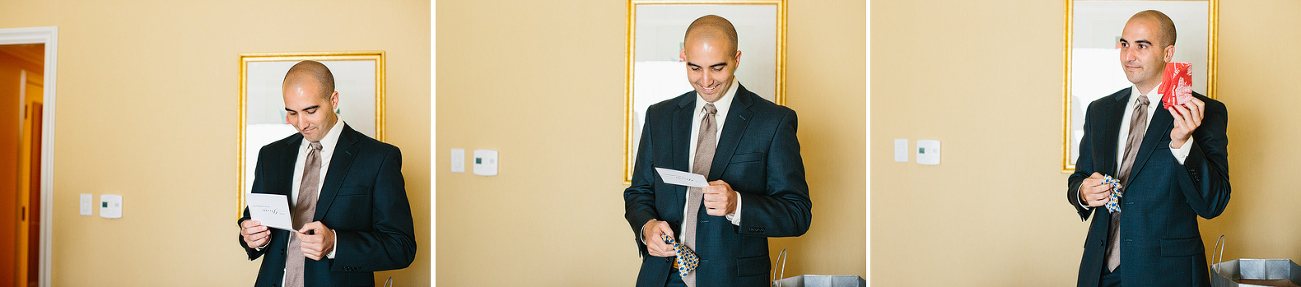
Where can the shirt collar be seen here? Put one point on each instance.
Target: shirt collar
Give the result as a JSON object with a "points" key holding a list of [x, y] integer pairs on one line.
{"points": [[723, 103], [331, 138], [1152, 96]]}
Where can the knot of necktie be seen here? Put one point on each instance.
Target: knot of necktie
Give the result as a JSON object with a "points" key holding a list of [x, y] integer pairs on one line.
{"points": [[686, 260], [316, 146], [1143, 101], [709, 108]]}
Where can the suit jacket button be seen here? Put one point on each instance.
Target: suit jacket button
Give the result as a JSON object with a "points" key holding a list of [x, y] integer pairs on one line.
{"points": [[282, 252]]}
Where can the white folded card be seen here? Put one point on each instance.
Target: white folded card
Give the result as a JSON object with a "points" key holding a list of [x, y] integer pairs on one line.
{"points": [[270, 209], [677, 177]]}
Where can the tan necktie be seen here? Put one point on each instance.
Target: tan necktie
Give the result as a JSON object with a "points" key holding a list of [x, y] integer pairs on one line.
{"points": [[706, 143], [304, 209], [1137, 129]]}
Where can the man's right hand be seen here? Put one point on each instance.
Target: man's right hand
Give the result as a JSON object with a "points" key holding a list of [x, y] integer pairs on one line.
{"points": [[1093, 192], [654, 242], [255, 234]]}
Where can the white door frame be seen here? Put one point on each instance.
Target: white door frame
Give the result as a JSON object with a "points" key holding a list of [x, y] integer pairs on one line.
{"points": [[50, 37]]}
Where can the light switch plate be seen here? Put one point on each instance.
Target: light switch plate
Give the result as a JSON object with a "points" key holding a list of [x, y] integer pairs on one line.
{"points": [[900, 150], [485, 162], [110, 206], [458, 160], [928, 152], [86, 202]]}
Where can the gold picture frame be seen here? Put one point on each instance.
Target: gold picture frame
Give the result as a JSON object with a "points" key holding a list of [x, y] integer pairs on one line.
{"points": [[1092, 67], [654, 72], [359, 76]]}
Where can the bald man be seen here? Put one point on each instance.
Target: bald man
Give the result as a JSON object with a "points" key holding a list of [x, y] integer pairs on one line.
{"points": [[746, 148], [1172, 166], [349, 203]]}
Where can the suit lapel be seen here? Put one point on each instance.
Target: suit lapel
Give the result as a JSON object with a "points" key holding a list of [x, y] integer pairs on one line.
{"points": [[344, 152], [1112, 117], [681, 143], [737, 121], [285, 168], [1157, 128]]}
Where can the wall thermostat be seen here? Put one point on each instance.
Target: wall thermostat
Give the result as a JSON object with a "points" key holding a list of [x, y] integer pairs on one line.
{"points": [[110, 206], [485, 162]]}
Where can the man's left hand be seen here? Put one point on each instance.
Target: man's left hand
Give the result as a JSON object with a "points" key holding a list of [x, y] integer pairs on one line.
{"points": [[1187, 117], [720, 199], [319, 243]]}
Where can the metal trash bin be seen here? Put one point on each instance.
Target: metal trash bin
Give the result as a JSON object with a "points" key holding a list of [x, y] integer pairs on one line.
{"points": [[1253, 272], [813, 280]]}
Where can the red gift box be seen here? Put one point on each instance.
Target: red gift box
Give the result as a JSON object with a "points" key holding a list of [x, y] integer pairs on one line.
{"points": [[1177, 77]]}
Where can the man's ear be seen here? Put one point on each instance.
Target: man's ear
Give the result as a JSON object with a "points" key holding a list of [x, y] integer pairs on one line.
{"points": [[737, 59], [1169, 53], [334, 99]]}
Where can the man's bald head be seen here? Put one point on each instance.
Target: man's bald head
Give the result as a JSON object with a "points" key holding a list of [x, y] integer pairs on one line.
{"points": [[310, 72], [1163, 24], [712, 28]]}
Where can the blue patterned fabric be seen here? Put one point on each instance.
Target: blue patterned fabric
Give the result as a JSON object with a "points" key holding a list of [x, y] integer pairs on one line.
{"points": [[1114, 204], [686, 261]]}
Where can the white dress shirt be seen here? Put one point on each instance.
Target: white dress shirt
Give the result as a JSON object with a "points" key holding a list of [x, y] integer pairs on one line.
{"points": [[722, 106], [328, 143], [1154, 101]]}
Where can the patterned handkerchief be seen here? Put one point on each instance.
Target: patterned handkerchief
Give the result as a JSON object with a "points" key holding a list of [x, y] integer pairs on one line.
{"points": [[686, 260], [1114, 204]]}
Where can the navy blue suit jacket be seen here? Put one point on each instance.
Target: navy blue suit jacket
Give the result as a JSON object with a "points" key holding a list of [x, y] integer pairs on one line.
{"points": [[758, 155], [363, 199], [1160, 244]]}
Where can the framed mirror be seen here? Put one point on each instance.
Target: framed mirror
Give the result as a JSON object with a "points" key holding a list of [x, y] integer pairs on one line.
{"points": [[1092, 60], [358, 77], [656, 72]]}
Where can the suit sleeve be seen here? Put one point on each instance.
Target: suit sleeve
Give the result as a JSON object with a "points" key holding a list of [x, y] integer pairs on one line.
{"points": [[253, 253], [391, 243], [784, 209], [1083, 168], [639, 197], [1204, 179]]}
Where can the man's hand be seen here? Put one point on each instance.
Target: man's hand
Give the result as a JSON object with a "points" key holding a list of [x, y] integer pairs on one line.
{"points": [[654, 242], [255, 234], [720, 199], [317, 244], [1188, 117], [1093, 192]]}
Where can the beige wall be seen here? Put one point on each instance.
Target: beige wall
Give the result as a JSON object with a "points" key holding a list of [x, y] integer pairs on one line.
{"points": [[542, 82], [147, 108], [985, 78]]}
